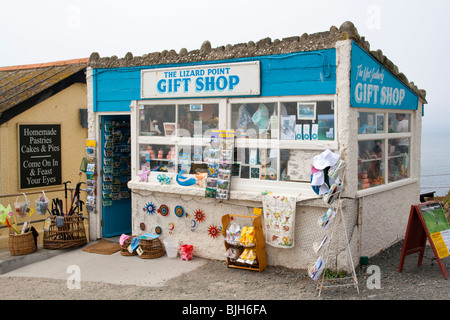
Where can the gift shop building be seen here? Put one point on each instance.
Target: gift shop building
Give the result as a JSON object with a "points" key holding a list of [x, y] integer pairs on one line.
{"points": [[277, 116]]}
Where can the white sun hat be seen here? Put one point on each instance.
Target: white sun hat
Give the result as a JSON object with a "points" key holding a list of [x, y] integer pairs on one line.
{"points": [[325, 159]]}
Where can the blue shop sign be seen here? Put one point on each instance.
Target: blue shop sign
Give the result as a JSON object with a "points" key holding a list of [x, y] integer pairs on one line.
{"points": [[373, 86]]}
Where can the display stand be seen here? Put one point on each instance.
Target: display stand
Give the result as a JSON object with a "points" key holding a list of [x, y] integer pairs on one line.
{"points": [[334, 199], [259, 243]]}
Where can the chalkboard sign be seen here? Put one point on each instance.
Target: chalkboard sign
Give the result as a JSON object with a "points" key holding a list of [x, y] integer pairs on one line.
{"points": [[427, 221], [40, 155]]}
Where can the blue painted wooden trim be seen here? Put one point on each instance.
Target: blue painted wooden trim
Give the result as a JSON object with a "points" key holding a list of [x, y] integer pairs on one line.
{"points": [[301, 73]]}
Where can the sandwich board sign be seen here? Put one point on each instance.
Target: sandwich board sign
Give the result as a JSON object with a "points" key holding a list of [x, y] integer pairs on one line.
{"points": [[427, 221]]}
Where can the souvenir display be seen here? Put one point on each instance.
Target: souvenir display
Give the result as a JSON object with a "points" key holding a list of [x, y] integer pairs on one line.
{"points": [[221, 158], [199, 215], [163, 179], [179, 211], [213, 231], [91, 185], [244, 242], [279, 219], [117, 162], [158, 230], [142, 226], [163, 210], [150, 208]]}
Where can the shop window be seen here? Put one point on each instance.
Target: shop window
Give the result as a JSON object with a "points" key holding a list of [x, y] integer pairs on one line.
{"points": [[157, 157], [197, 119], [307, 120], [371, 163], [157, 120], [275, 140], [255, 120], [398, 159], [390, 146], [369, 122]]}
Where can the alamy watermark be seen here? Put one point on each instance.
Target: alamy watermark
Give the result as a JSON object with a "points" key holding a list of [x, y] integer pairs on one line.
{"points": [[374, 280], [374, 19], [74, 280]]}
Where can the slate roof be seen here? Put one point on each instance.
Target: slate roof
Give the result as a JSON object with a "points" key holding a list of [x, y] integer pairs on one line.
{"points": [[305, 42], [21, 87]]}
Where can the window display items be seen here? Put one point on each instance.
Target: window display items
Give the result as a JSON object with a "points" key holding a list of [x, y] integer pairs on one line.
{"points": [[306, 111], [184, 181]]}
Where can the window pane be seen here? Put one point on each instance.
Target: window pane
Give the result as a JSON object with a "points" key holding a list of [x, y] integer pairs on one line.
{"points": [[370, 163], [255, 120], [307, 120], [157, 120], [295, 165], [399, 122], [196, 119], [369, 122], [192, 158], [398, 159], [157, 157], [255, 163]]}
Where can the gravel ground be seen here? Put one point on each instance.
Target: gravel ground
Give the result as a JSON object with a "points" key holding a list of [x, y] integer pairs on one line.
{"points": [[214, 281]]}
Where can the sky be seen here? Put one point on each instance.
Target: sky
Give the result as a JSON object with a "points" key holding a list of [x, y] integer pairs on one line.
{"points": [[412, 34]]}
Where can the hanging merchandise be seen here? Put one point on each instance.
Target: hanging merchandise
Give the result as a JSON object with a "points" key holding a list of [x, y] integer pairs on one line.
{"points": [[150, 208], [42, 204], [90, 178], [199, 215], [171, 227], [213, 231], [158, 230], [22, 206], [194, 224], [142, 226], [163, 210], [221, 157], [279, 219], [179, 211], [321, 180]]}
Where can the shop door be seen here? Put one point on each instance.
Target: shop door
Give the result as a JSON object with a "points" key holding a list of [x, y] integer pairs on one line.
{"points": [[115, 174]]}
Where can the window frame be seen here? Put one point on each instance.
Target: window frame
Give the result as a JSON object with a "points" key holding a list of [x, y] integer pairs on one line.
{"points": [[240, 184]]}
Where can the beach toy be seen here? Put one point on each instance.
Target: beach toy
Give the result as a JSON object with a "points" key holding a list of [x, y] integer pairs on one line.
{"points": [[21, 207], [122, 239]]}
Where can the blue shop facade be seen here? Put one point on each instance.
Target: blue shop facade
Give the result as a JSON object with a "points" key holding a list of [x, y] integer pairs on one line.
{"points": [[153, 125]]}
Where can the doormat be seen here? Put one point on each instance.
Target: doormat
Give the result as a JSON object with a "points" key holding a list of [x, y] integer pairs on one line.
{"points": [[103, 247]]}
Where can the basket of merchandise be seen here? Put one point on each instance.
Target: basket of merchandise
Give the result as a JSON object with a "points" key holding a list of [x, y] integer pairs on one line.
{"points": [[125, 242], [22, 243], [151, 248], [61, 232]]}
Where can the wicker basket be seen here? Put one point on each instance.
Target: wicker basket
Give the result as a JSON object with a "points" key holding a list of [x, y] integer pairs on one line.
{"points": [[20, 244], [71, 234], [152, 248], [124, 250]]}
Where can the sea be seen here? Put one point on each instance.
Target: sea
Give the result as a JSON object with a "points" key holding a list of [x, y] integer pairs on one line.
{"points": [[435, 163]]}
